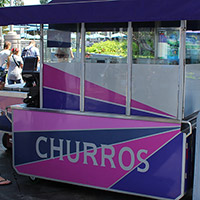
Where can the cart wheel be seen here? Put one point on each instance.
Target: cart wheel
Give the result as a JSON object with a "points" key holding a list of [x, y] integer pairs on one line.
{"points": [[6, 141], [33, 179]]}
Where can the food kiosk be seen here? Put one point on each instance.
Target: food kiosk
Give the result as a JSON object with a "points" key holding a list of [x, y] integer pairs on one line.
{"points": [[123, 122]]}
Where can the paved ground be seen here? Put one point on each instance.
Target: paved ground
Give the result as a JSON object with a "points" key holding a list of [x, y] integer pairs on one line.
{"points": [[23, 189]]}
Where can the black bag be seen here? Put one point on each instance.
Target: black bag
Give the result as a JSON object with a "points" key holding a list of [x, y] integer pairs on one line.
{"points": [[3, 73]]}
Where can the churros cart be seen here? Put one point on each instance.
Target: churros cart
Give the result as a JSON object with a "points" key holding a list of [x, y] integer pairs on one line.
{"points": [[120, 119]]}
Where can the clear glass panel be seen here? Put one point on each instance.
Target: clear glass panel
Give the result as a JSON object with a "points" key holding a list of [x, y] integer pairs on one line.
{"points": [[62, 44], [193, 47], [156, 45], [106, 69], [192, 88], [62, 67], [192, 83], [108, 46], [155, 72]]}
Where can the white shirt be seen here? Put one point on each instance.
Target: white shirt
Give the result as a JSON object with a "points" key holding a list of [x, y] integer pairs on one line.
{"points": [[4, 56], [14, 72]]}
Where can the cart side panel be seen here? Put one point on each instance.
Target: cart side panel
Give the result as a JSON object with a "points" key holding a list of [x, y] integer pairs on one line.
{"points": [[108, 94], [123, 155]]}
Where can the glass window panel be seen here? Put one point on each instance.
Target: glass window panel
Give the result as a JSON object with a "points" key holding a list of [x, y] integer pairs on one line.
{"points": [[106, 43], [106, 68], [193, 47], [156, 45], [62, 67], [155, 72], [62, 43]]}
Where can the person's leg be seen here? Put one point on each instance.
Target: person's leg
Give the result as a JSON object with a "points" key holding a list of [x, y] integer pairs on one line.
{"points": [[4, 181], [10, 82]]}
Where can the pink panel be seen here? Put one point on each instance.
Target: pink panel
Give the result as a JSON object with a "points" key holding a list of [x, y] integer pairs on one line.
{"points": [[59, 80], [57, 121]]}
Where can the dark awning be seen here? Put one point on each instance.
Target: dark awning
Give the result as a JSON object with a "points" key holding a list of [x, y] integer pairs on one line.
{"points": [[102, 11]]}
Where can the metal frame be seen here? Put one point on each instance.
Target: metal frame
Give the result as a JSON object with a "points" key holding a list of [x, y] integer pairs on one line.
{"points": [[82, 78], [129, 72], [41, 63], [181, 94]]}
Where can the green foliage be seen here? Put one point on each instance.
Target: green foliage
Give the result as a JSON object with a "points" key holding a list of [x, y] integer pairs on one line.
{"points": [[4, 2], [44, 1], [18, 2], [117, 48]]}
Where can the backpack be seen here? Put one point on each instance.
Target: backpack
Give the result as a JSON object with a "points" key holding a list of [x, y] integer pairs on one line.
{"points": [[26, 52]]}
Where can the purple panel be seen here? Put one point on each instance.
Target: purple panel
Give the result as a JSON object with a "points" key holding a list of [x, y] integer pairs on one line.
{"points": [[102, 11], [58, 100], [164, 176]]}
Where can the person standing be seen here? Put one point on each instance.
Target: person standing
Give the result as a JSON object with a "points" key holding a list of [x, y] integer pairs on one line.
{"points": [[15, 65], [31, 50], [4, 54]]}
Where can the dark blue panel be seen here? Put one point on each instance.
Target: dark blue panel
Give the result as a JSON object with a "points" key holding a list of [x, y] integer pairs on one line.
{"points": [[163, 179], [59, 100], [5, 124], [58, 44], [145, 114], [25, 142], [99, 106]]}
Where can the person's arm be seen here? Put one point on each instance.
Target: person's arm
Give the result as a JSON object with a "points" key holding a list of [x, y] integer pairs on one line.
{"points": [[72, 55], [37, 54], [21, 62]]}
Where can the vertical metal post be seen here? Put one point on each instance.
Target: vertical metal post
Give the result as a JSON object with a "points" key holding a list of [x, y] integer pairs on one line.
{"points": [[41, 63], [181, 95], [129, 71], [196, 182], [82, 78]]}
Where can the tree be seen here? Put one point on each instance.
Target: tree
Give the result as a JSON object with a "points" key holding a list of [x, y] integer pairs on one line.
{"points": [[44, 1], [18, 2], [4, 2]]}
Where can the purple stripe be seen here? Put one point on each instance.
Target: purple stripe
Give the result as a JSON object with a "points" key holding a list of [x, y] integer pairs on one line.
{"points": [[58, 121]]}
